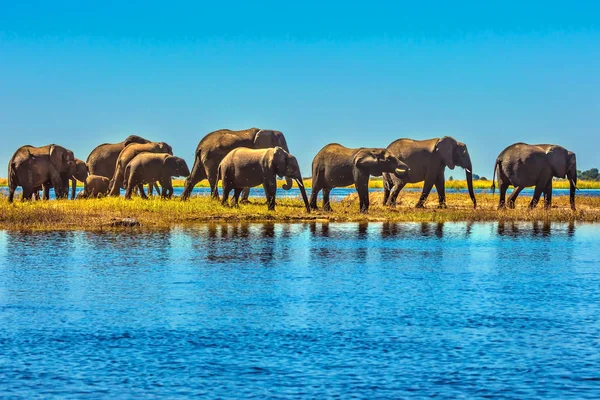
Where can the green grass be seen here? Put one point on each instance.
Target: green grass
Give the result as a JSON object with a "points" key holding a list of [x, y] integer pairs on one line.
{"points": [[162, 214]]}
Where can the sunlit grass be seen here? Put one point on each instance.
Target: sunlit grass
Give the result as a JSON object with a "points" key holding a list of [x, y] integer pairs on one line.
{"points": [[157, 213]]}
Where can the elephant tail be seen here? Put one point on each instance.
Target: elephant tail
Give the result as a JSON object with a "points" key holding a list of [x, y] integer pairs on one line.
{"points": [[494, 177], [126, 176]]}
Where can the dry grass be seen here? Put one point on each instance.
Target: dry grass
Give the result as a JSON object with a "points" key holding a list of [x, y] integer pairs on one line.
{"points": [[161, 214]]}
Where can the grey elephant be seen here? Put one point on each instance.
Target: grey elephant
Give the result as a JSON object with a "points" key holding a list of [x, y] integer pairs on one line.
{"points": [[153, 167], [32, 167], [522, 165], [336, 165], [427, 160], [103, 159], [77, 173], [245, 168], [127, 155], [95, 186], [215, 146]]}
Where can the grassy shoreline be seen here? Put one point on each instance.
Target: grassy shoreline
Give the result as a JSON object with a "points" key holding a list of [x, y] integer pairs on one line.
{"points": [[156, 213], [377, 183]]}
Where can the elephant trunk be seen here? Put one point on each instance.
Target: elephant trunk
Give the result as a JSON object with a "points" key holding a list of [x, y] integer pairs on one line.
{"points": [[303, 192], [288, 183], [469, 174], [573, 184]]}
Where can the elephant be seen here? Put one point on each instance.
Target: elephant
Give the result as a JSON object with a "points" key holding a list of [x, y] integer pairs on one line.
{"points": [[215, 146], [522, 165], [78, 172], [103, 159], [127, 155], [29, 165], [427, 160], [336, 165], [244, 168], [152, 167], [95, 186]]}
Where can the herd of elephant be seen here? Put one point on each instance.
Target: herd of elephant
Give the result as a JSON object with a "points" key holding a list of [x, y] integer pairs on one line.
{"points": [[251, 157]]}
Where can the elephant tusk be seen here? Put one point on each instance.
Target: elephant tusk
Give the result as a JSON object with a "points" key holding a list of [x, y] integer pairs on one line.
{"points": [[573, 183], [400, 171], [468, 170]]}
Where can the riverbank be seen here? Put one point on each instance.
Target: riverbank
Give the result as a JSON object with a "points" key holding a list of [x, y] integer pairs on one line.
{"points": [[377, 183], [156, 213]]}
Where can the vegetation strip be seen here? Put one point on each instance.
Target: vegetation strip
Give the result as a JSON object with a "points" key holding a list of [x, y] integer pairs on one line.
{"points": [[157, 213]]}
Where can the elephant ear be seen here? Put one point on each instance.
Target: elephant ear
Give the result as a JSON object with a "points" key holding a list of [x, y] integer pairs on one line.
{"points": [[445, 147], [170, 162], [57, 156], [559, 160], [280, 160], [365, 159], [264, 139]]}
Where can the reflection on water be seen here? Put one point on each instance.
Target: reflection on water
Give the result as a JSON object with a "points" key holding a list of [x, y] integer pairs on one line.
{"points": [[303, 310]]}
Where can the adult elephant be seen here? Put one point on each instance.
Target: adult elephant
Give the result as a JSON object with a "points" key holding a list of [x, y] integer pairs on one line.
{"points": [[103, 159], [522, 165], [427, 160], [216, 145], [243, 168], [336, 165], [47, 161], [128, 154]]}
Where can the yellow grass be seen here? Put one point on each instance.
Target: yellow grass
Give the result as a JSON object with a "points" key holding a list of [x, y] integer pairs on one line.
{"points": [[159, 214], [377, 183]]}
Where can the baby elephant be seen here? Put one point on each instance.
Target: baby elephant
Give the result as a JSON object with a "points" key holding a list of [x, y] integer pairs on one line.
{"points": [[95, 186], [243, 167], [336, 165], [152, 167]]}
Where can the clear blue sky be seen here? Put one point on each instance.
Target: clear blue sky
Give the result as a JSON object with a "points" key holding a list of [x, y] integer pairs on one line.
{"points": [[488, 73]]}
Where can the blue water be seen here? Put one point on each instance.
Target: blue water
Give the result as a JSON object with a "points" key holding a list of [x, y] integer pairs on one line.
{"points": [[339, 193], [315, 310]]}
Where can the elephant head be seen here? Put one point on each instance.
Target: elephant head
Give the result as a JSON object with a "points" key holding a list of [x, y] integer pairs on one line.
{"points": [[176, 166], [62, 159], [267, 138], [165, 148], [286, 165], [134, 139], [564, 165], [378, 161], [79, 170], [455, 153]]}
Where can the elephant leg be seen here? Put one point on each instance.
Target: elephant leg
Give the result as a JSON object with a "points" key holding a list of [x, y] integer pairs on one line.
{"points": [[226, 190], [270, 189], [46, 190], [426, 189], [142, 192], [513, 196], [11, 193], [502, 201], [158, 189], [27, 193], [314, 194], [440, 187], [387, 185], [151, 190], [362, 187], [395, 192], [537, 193], [326, 203], [213, 180], [245, 195], [236, 196], [548, 196]]}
